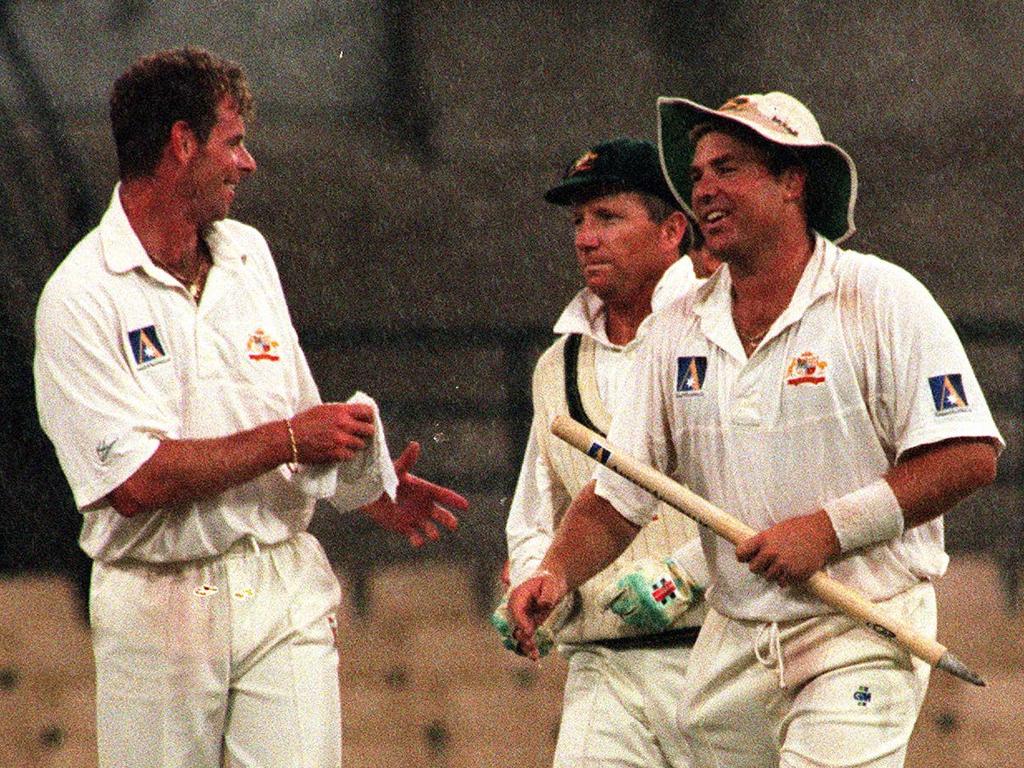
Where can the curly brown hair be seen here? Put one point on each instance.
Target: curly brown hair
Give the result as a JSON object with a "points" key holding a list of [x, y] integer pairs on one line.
{"points": [[165, 87]]}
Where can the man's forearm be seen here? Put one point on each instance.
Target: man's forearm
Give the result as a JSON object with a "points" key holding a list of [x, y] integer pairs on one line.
{"points": [[925, 483], [184, 470], [591, 535], [935, 477]]}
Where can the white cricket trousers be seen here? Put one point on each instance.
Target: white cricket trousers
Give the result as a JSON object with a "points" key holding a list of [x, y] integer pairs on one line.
{"points": [[619, 708], [232, 656], [825, 692]]}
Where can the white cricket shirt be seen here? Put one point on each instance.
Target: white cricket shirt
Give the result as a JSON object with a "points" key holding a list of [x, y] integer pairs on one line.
{"points": [[530, 526], [125, 358], [861, 366]]}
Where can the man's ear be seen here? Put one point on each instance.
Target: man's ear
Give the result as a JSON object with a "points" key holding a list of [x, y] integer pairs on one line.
{"points": [[794, 182], [182, 142], [673, 229]]}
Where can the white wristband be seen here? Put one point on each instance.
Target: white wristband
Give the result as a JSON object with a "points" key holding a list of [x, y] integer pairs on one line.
{"points": [[866, 516]]}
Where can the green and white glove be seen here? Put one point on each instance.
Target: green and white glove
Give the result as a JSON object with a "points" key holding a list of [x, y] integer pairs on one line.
{"points": [[651, 594], [502, 622]]}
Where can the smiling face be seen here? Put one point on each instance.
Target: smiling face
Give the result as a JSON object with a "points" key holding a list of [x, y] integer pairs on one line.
{"points": [[622, 251], [217, 166], [740, 203]]}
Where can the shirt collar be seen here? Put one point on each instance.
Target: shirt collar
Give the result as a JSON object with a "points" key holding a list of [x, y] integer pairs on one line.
{"points": [[123, 251], [714, 299], [585, 313]]}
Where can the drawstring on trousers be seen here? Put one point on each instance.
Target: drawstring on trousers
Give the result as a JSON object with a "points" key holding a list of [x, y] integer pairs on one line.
{"points": [[773, 657]]}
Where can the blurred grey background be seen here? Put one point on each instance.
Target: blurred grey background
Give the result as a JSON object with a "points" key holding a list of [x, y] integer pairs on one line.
{"points": [[403, 150]]}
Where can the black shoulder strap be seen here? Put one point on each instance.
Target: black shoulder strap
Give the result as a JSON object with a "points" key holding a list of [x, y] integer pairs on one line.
{"points": [[572, 389]]}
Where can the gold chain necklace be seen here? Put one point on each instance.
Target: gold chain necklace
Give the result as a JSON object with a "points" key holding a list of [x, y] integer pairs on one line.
{"points": [[754, 338], [751, 340], [196, 284]]}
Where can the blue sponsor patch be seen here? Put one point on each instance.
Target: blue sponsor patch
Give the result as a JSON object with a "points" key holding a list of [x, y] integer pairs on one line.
{"points": [[690, 375], [948, 393], [146, 347]]}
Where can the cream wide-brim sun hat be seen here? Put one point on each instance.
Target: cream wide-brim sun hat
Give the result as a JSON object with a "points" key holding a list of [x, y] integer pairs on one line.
{"points": [[781, 119]]}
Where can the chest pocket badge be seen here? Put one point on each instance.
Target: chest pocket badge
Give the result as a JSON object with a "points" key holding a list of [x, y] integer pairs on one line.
{"points": [[261, 346], [807, 368]]}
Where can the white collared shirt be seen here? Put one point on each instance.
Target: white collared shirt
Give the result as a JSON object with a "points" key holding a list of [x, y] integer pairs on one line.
{"points": [[125, 357], [862, 366], [530, 524], [585, 315]]}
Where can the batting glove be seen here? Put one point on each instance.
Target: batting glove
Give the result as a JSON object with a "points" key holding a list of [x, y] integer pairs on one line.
{"points": [[502, 622], [651, 594]]}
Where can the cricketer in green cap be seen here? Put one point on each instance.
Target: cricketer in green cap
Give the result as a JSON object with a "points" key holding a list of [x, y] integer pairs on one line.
{"points": [[626, 232]]}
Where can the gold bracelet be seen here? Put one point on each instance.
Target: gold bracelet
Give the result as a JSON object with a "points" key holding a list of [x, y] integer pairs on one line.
{"points": [[293, 465]]}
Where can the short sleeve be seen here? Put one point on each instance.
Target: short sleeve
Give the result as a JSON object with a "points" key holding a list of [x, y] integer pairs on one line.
{"points": [[90, 404], [925, 387]]}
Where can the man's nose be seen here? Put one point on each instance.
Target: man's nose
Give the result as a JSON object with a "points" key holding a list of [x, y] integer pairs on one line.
{"points": [[246, 162], [704, 189], [586, 236]]}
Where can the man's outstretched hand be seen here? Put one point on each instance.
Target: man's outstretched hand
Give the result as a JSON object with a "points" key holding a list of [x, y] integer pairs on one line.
{"points": [[419, 506]]}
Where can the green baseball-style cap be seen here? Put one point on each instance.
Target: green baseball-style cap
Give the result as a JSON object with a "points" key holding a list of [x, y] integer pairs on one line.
{"points": [[628, 164], [781, 119]]}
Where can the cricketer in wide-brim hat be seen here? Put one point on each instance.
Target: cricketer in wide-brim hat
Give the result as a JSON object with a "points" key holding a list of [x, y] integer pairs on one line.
{"points": [[780, 119]]}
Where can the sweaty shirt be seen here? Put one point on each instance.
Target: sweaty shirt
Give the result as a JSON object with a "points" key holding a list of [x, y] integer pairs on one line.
{"points": [[861, 366]]}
